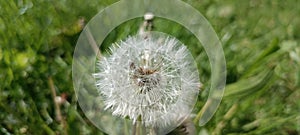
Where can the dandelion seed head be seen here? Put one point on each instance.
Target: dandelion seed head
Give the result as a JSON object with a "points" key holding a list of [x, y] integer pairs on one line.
{"points": [[148, 79]]}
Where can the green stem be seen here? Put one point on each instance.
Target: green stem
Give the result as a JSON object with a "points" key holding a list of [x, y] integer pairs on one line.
{"points": [[152, 131], [134, 126]]}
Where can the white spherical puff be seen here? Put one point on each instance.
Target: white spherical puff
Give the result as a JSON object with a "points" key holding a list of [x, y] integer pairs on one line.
{"points": [[153, 80]]}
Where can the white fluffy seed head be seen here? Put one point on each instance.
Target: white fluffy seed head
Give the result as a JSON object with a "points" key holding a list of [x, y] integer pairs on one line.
{"points": [[151, 79]]}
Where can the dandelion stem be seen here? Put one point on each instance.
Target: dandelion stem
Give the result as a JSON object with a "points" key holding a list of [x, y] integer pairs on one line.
{"points": [[126, 130], [152, 131], [134, 129], [139, 129], [58, 114]]}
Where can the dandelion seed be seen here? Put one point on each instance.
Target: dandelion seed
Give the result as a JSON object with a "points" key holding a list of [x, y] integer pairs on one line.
{"points": [[149, 79]]}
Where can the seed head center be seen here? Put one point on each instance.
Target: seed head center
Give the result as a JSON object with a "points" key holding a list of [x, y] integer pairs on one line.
{"points": [[145, 79]]}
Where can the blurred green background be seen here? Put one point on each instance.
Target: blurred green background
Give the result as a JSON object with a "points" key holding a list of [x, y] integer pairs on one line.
{"points": [[260, 40]]}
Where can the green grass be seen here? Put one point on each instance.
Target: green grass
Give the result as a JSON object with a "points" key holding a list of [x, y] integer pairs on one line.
{"points": [[260, 40]]}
